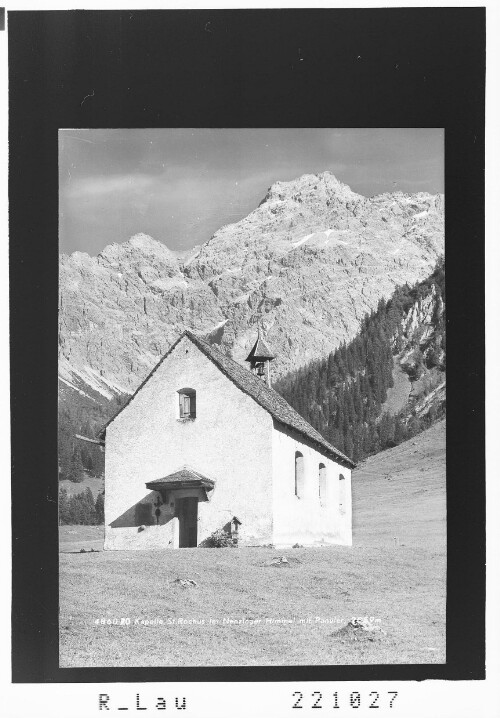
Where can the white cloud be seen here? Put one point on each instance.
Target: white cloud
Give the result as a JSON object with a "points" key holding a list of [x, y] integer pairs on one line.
{"points": [[101, 186]]}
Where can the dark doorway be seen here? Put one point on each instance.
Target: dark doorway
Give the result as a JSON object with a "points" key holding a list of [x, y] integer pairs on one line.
{"points": [[187, 511]]}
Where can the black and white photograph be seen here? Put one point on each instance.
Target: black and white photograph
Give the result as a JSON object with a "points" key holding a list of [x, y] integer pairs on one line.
{"points": [[242, 245], [252, 397]]}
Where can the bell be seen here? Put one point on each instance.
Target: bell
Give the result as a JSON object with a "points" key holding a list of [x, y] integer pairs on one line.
{"points": [[260, 369]]}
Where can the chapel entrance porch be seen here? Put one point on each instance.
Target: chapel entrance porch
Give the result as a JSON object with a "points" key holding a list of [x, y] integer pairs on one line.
{"points": [[178, 497]]}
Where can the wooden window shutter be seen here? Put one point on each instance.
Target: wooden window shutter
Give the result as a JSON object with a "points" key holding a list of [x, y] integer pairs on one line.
{"points": [[193, 405], [187, 403]]}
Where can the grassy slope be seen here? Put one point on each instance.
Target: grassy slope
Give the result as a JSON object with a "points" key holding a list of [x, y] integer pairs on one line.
{"points": [[401, 493], [402, 585], [397, 395]]}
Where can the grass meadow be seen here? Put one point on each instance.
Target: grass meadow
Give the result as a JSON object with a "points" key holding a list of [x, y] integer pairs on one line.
{"points": [[245, 611]]}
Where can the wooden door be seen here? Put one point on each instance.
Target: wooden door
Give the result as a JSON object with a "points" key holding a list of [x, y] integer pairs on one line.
{"points": [[188, 521]]}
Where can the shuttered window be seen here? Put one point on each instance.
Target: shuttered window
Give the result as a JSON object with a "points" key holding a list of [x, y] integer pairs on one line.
{"points": [[187, 403]]}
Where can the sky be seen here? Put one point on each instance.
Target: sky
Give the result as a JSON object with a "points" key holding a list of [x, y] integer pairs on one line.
{"points": [[181, 185]]}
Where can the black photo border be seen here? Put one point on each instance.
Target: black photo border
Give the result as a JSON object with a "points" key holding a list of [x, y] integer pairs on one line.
{"points": [[398, 67]]}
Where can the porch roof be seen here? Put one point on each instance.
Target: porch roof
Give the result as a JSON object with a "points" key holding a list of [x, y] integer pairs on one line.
{"points": [[185, 478]]}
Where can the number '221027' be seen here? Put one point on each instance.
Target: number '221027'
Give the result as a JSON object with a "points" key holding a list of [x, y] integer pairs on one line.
{"points": [[354, 700]]}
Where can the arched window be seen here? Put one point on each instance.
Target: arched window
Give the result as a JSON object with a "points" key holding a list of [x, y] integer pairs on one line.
{"points": [[342, 496], [322, 484], [187, 403], [299, 474]]}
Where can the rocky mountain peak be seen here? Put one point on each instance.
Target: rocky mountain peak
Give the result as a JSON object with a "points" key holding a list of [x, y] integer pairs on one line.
{"points": [[310, 187], [307, 264], [138, 245], [144, 242], [150, 259]]}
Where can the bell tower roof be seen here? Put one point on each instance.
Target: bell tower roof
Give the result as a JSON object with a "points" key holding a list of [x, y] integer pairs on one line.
{"points": [[260, 351]]}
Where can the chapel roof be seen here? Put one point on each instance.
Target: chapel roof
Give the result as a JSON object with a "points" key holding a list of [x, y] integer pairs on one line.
{"points": [[265, 396]]}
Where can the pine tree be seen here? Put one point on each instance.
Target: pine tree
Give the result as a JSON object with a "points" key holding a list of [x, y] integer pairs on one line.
{"points": [[333, 373], [89, 503], [64, 513], [399, 430], [348, 444], [76, 468], [75, 510], [99, 509], [357, 400]]}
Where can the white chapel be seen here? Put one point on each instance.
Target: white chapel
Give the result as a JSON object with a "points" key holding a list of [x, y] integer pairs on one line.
{"points": [[206, 444]]}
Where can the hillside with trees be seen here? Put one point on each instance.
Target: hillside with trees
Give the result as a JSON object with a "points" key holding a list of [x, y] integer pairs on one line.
{"points": [[81, 508], [342, 395], [82, 414]]}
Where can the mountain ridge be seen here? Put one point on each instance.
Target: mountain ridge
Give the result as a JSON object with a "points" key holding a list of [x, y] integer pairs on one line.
{"points": [[306, 265]]}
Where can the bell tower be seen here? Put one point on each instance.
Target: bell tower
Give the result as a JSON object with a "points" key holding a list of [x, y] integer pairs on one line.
{"points": [[260, 358]]}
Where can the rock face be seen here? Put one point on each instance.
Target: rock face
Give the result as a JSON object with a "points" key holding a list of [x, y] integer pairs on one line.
{"points": [[423, 355], [421, 319], [307, 265]]}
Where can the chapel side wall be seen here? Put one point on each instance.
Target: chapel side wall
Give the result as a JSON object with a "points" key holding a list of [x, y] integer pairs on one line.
{"points": [[307, 520], [230, 441]]}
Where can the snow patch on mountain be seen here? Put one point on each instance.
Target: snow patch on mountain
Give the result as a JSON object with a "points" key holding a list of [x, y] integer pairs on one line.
{"points": [[75, 388], [304, 239]]}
